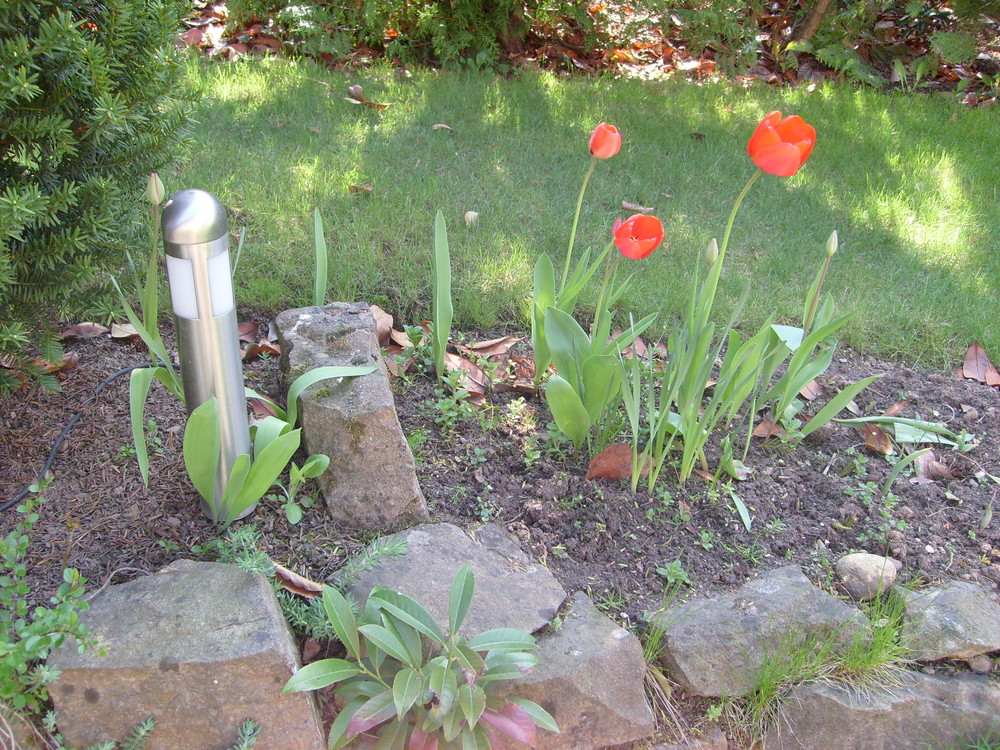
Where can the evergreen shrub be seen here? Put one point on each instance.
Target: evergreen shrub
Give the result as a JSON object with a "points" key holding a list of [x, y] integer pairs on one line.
{"points": [[90, 104]]}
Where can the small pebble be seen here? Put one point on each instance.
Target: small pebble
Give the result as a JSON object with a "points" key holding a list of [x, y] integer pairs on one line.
{"points": [[173, 521], [929, 549], [981, 664]]}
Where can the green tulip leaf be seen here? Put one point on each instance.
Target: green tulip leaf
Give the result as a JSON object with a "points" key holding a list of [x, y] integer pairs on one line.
{"points": [[567, 409]]}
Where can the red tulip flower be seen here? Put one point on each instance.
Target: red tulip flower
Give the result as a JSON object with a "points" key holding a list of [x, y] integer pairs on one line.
{"points": [[779, 146], [605, 141], [638, 236]]}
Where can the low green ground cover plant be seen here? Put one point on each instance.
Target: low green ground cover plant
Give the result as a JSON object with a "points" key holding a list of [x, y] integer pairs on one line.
{"points": [[417, 701]]}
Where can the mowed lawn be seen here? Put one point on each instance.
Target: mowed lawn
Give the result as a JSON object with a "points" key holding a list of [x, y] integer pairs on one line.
{"points": [[909, 182]]}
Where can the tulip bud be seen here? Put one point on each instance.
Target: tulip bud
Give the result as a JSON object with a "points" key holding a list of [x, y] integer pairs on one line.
{"points": [[154, 190], [605, 141], [712, 252], [831, 244]]}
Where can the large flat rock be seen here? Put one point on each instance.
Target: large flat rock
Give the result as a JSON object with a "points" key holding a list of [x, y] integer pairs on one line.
{"points": [[926, 711], [197, 646], [715, 647], [957, 620], [590, 678], [511, 590]]}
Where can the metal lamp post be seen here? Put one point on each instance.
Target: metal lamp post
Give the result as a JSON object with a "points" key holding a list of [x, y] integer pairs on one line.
{"points": [[196, 244]]}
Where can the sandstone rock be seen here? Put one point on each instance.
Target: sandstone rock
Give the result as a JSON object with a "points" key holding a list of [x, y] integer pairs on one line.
{"points": [[511, 590], [865, 576], [714, 647], [926, 711], [371, 481], [590, 678], [981, 664], [955, 621], [713, 739], [199, 647]]}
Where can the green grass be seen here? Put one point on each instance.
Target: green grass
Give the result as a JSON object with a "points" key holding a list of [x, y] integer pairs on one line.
{"points": [[910, 183]]}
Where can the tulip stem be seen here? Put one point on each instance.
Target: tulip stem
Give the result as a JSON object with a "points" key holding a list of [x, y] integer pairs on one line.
{"points": [[576, 220], [732, 215], [599, 311], [807, 323]]}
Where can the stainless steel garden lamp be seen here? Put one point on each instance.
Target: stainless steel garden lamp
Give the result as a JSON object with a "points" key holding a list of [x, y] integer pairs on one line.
{"points": [[196, 244]]}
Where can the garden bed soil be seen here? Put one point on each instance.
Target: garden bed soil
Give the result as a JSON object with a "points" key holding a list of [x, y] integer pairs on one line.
{"points": [[500, 464]]}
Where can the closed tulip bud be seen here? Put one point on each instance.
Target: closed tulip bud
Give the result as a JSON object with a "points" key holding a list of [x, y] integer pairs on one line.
{"points": [[154, 190], [605, 141], [712, 252], [831, 244]]}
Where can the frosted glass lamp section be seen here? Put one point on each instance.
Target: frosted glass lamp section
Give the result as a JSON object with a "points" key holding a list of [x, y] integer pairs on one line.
{"points": [[221, 281], [180, 276]]}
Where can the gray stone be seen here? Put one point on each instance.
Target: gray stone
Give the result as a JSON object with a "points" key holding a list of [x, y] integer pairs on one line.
{"points": [[955, 621], [199, 647], [925, 711], [371, 481], [715, 647], [865, 576], [511, 590], [713, 739], [590, 679]]}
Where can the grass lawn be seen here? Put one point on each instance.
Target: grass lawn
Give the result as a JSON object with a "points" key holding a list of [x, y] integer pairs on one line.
{"points": [[910, 183]]}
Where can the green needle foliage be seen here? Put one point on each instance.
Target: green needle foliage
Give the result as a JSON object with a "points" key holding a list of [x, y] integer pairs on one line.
{"points": [[90, 104]]}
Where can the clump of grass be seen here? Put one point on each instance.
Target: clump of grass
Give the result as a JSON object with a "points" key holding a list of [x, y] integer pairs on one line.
{"points": [[659, 688], [864, 663]]}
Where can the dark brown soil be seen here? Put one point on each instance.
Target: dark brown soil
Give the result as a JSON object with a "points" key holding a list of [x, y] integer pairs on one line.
{"points": [[500, 464], [809, 505]]}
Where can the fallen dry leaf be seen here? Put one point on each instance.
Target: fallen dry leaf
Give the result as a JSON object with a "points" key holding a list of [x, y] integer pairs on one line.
{"points": [[123, 331], [520, 376], [637, 208], [896, 409], [442, 126], [769, 428], [474, 380], [614, 463], [261, 347], [68, 362], [248, 331], [315, 130], [83, 331], [262, 407], [876, 439], [491, 348], [811, 391], [383, 324], [977, 366], [470, 217], [930, 469], [292, 581], [400, 338], [364, 189]]}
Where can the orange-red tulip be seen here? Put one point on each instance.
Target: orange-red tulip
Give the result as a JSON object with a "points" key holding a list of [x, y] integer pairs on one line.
{"points": [[638, 236], [605, 141], [779, 146]]}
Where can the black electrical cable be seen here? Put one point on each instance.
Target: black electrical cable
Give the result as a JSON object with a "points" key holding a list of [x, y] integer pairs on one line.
{"points": [[62, 435]]}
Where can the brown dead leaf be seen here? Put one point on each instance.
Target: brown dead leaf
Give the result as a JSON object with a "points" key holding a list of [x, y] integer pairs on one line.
{"points": [[520, 376], [930, 469], [768, 429], [123, 331], [474, 379], [261, 347], [83, 331], [491, 348], [471, 217], [977, 366], [636, 348], [637, 208], [292, 581], [896, 409], [262, 407], [442, 126], [68, 362], [383, 324], [366, 189], [811, 391], [248, 331], [614, 463], [876, 439], [705, 475], [313, 129]]}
